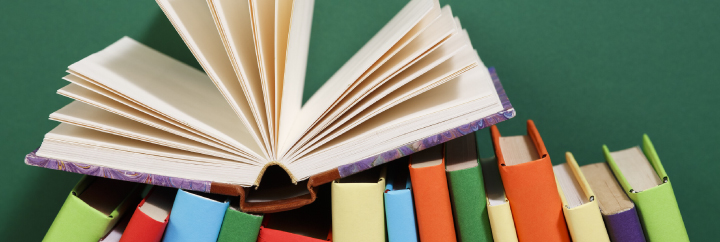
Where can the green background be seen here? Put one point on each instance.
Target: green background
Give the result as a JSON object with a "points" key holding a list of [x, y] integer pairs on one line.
{"points": [[588, 73]]}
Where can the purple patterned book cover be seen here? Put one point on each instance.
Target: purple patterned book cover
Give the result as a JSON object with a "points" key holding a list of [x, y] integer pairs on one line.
{"points": [[624, 226], [345, 170]]}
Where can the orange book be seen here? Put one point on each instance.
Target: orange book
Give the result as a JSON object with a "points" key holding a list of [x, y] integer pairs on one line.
{"points": [[530, 185], [432, 197]]}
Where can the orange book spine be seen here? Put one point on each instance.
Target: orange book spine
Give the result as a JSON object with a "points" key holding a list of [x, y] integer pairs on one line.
{"points": [[533, 193], [432, 203]]}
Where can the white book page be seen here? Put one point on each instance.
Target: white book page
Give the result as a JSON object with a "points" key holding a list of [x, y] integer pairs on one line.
{"points": [[234, 22], [194, 22], [334, 88], [571, 189], [295, 66], [448, 70], [430, 33], [464, 99], [110, 102], [263, 19], [84, 115], [283, 14], [168, 87], [75, 144], [449, 49]]}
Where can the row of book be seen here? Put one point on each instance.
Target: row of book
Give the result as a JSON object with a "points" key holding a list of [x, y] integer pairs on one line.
{"points": [[443, 193]]}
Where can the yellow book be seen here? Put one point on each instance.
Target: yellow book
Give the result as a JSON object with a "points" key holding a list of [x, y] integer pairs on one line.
{"points": [[582, 213], [358, 211], [501, 219]]}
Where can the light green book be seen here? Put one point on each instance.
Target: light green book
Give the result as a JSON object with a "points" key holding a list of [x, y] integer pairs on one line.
{"points": [[92, 209], [645, 181]]}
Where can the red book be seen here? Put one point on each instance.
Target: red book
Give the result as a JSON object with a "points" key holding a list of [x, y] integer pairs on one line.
{"points": [[151, 216], [272, 235]]}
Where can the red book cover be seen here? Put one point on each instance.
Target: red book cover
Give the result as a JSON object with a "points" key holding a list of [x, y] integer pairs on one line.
{"points": [[142, 226], [272, 235]]}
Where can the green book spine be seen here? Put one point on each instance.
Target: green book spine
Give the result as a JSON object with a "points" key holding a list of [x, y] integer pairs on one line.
{"points": [[78, 222], [657, 206], [239, 227], [467, 192]]}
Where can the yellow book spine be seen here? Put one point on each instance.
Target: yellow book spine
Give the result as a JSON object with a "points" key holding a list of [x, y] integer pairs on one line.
{"points": [[501, 223], [585, 223], [358, 212]]}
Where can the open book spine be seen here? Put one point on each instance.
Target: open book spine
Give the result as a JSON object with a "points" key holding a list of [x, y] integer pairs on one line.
{"points": [[508, 112]]}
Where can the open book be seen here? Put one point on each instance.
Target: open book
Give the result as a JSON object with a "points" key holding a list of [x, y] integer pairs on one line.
{"points": [[140, 115]]}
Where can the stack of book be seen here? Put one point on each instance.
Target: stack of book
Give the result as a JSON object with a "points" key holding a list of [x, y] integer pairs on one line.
{"points": [[443, 193], [233, 154]]}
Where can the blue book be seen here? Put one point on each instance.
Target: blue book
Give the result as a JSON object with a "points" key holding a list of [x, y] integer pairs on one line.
{"points": [[399, 208], [196, 217]]}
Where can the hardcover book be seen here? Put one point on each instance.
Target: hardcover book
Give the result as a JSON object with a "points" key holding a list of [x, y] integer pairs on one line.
{"points": [[358, 211], [645, 181], [93, 208], [431, 194], [527, 174], [151, 216], [239, 227], [417, 83], [467, 191], [499, 213], [117, 232], [196, 217], [579, 204], [399, 207], [619, 213]]}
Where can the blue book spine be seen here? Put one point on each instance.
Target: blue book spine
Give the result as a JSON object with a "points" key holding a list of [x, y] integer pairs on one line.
{"points": [[195, 218], [400, 216]]}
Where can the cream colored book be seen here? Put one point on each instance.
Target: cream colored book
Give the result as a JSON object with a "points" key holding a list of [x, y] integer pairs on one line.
{"points": [[142, 116], [581, 210]]}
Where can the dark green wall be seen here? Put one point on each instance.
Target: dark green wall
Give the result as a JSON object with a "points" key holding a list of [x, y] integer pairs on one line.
{"points": [[588, 73]]}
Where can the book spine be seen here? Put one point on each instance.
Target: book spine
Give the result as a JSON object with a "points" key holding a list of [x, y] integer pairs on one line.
{"points": [[194, 218], [400, 215], [358, 212], [659, 213], [272, 235], [534, 197], [77, 221], [432, 203], [239, 227], [468, 199], [624, 226], [585, 223], [143, 228], [502, 224]]}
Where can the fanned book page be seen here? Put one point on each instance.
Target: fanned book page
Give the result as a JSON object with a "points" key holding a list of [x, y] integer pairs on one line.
{"points": [[417, 82]]}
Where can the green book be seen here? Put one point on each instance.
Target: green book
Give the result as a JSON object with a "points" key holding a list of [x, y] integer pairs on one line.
{"points": [[645, 181], [467, 190], [92, 209], [239, 227]]}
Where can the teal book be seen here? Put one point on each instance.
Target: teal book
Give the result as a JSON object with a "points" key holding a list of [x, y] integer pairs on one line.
{"points": [[93, 208], [399, 208], [239, 227], [467, 191]]}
